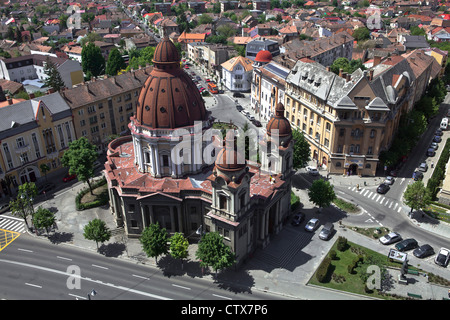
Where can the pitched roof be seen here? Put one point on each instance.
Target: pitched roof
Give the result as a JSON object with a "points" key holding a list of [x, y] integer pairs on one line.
{"points": [[246, 63]]}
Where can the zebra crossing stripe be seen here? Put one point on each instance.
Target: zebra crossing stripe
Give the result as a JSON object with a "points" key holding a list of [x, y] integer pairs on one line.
{"points": [[399, 208]]}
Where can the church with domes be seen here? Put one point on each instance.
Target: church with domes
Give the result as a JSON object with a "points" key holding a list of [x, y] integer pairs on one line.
{"points": [[171, 170]]}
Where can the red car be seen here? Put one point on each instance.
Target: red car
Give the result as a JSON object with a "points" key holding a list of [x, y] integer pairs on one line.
{"points": [[186, 67], [207, 80], [69, 177]]}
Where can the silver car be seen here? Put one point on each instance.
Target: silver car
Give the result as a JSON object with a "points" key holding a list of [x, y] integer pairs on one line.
{"points": [[312, 225], [389, 180]]}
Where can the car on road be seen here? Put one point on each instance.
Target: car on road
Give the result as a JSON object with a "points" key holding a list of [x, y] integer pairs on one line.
{"points": [[383, 188], [312, 170], [201, 89], [69, 177], [423, 167], [327, 231], [442, 258], [192, 73], [245, 112], [298, 218], [437, 139], [207, 80], [389, 180], [439, 132], [186, 67], [239, 108], [407, 244], [198, 78], [250, 117], [431, 152], [238, 95], [423, 251], [390, 238], [46, 187], [257, 123], [4, 207], [417, 175], [312, 225]]}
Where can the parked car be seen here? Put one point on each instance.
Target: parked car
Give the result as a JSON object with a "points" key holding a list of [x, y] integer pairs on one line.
{"points": [[69, 177], [192, 73], [390, 238], [250, 117], [207, 80], [394, 173], [389, 180], [417, 175], [186, 67], [245, 112], [312, 225], [407, 244], [442, 258], [4, 207], [437, 139], [257, 123], [423, 167], [298, 218], [423, 251], [431, 152], [239, 107], [434, 145], [312, 170], [448, 113], [238, 95], [438, 132], [383, 188], [327, 231], [46, 187]]}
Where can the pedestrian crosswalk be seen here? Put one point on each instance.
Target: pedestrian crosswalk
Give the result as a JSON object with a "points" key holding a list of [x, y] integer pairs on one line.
{"points": [[378, 198], [12, 224]]}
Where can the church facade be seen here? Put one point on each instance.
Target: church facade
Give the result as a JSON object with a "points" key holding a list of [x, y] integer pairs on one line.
{"points": [[174, 170]]}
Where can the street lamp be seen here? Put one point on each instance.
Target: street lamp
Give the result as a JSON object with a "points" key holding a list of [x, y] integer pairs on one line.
{"points": [[92, 293]]}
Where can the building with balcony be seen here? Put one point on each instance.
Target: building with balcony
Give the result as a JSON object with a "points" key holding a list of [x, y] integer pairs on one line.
{"points": [[237, 74], [32, 133]]}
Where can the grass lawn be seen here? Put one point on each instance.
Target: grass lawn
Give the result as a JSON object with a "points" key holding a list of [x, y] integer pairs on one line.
{"points": [[98, 192], [346, 206], [338, 276]]}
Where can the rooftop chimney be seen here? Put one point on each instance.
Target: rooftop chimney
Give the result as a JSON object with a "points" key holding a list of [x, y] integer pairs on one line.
{"points": [[340, 73], [376, 60], [370, 74], [349, 77], [31, 95]]}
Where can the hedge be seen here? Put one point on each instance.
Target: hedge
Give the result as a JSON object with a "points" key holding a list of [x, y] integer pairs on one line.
{"points": [[322, 271], [101, 200]]}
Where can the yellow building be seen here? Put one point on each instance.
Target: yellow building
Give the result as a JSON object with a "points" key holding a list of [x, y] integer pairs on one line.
{"points": [[32, 133]]}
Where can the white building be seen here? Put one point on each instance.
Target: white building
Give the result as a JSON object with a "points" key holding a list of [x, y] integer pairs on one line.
{"points": [[237, 73]]}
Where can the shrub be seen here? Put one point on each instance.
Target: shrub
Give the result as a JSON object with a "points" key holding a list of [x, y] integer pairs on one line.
{"points": [[102, 199], [341, 243], [332, 254], [322, 271], [295, 201]]}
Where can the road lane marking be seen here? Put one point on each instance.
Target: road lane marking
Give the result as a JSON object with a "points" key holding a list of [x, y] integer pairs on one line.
{"points": [[141, 277], [97, 266], [87, 279], [175, 285], [63, 258], [25, 250], [216, 295], [77, 297], [33, 285]]}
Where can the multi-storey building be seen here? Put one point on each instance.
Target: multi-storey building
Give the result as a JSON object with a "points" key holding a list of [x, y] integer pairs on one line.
{"points": [[237, 74], [102, 108], [348, 119], [260, 43], [32, 133], [268, 85]]}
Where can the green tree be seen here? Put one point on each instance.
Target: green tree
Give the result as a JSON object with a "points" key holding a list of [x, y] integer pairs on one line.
{"points": [[44, 168], [361, 34], [88, 17], [321, 193], [53, 79], [212, 252], [43, 218], [179, 247], [154, 241], [115, 62], [93, 62], [97, 230], [301, 151], [22, 206], [141, 58], [417, 196], [346, 65], [79, 158]]}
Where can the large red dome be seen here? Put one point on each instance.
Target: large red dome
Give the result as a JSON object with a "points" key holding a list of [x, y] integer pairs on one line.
{"points": [[169, 98], [279, 122]]}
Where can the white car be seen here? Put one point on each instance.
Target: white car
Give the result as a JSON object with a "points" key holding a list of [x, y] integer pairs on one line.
{"points": [[389, 180], [443, 257], [390, 238], [312, 225], [312, 170]]}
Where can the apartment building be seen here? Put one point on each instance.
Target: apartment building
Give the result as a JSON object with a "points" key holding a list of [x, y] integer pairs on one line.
{"points": [[348, 119], [102, 108], [322, 50], [237, 74], [32, 133], [256, 45], [31, 67]]}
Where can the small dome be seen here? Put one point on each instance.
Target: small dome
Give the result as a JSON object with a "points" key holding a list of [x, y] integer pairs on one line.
{"points": [[229, 159], [166, 52], [263, 56], [279, 122]]}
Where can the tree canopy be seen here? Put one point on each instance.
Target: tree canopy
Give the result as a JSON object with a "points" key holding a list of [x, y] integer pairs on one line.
{"points": [[53, 79], [93, 62], [417, 196], [97, 231], [154, 241], [302, 151], [321, 193], [212, 252], [115, 62]]}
